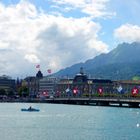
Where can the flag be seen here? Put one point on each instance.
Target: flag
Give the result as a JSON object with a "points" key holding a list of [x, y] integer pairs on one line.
{"points": [[49, 71], [75, 90], [135, 91], [67, 90], [119, 89], [38, 66], [100, 90]]}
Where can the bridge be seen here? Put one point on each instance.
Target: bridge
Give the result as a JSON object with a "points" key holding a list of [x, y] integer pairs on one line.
{"points": [[100, 101]]}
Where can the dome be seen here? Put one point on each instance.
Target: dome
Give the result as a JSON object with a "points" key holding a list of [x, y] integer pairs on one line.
{"points": [[80, 78]]}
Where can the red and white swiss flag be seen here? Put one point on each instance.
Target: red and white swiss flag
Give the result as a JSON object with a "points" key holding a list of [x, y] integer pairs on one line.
{"points": [[100, 90], [75, 90], [49, 71], [135, 91]]}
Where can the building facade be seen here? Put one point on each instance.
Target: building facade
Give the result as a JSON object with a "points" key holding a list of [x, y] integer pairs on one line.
{"points": [[47, 85], [82, 86], [7, 84]]}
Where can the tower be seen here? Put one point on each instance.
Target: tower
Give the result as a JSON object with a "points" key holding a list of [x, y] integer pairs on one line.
{"points": [[39, 76]]}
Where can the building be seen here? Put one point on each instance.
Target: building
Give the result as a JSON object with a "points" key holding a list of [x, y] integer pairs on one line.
{"points": [[39, 76], [7, 85], [82, 86], [47, 85], [31, 84]]}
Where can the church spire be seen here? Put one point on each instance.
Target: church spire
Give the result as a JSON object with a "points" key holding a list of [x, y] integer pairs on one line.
{"points": [[39, 74]]}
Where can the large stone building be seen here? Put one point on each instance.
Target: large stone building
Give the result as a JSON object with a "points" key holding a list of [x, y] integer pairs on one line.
{"points": [[83, 86]]}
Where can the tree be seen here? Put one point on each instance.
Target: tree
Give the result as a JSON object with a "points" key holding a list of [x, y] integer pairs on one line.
{"points": [[136, 78], [23, 91], [2, 92], [10, 93]]}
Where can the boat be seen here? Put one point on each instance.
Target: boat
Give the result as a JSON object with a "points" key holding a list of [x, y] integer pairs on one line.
{"points": [[30, 109]]}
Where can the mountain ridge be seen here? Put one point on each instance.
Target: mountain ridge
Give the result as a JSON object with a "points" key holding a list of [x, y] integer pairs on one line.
{"points": [[123, 62]]}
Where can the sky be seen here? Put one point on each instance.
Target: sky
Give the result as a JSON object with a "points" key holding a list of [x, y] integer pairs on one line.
{"points": [[59, 33]]}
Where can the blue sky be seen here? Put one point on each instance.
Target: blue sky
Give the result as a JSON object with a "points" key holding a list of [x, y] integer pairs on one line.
{"points": [[59, 33]]}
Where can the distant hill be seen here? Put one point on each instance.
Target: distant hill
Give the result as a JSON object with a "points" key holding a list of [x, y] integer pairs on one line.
{"points": [[123, 62]]}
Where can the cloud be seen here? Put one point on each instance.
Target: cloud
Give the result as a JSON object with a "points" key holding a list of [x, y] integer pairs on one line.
{"points": [[128, 33], [29, 36], [69, 41], [93, 8], [32, 58]]}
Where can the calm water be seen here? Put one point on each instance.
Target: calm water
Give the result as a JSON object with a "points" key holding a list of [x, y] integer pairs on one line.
{"points": [[68, 122]]}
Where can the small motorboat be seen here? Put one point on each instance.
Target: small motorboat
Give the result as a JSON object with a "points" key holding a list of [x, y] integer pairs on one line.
{"points": [[30, 109]]}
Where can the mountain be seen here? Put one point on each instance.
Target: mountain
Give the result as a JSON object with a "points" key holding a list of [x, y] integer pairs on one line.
{"points": [[123, 62]]}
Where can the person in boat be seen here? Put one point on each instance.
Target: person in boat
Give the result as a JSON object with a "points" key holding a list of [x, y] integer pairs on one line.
{"points": [[30, 108]]}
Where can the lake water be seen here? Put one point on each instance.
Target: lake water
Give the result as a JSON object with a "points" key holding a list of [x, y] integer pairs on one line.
{"points": [[68, 122]]}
